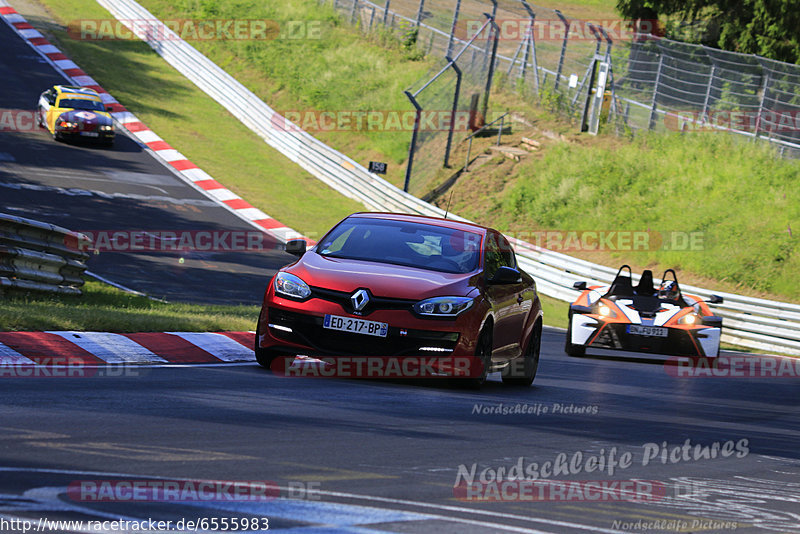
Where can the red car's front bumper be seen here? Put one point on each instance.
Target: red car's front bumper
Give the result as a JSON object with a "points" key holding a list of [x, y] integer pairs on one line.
{"points": [[297, 327]]}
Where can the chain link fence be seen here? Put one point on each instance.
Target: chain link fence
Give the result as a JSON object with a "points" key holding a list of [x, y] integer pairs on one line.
{"points": [[605, 71]]}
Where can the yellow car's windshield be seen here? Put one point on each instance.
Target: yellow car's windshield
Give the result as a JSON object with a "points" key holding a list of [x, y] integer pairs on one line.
{"points": [[81, 103]]}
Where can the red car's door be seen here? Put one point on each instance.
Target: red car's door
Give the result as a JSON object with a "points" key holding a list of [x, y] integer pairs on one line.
{"points": [[507, 300]]}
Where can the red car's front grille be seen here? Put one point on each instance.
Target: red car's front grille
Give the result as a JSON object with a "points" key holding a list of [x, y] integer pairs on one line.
{"points": [[308, 330], [375, 303]]}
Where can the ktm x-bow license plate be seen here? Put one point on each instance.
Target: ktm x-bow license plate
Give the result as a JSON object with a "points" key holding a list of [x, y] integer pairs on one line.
{"points": [[650, 331]]}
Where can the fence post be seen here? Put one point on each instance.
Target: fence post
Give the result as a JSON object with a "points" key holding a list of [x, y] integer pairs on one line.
{"points": [[500, 131], [353, 12], [514, 58], [592, 76], [419, 12], [708, 90], [761, 104], [453, 29], [492, 59], [469, 150], [386, 12], [612, 109], [491, 33], [651, 122], [371, 19], [563, 48], [413, 145], [589, 70], [530, 47], [454, 110]]}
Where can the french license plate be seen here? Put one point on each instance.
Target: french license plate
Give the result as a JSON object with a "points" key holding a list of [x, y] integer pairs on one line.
{"points": [[650, 331], [356, 326], [90, 134]]}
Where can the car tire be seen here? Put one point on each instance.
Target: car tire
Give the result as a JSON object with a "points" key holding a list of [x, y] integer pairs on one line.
{"points": [[569, 348], [266, 357], [483, 354], [39, 118], [530, 361]]}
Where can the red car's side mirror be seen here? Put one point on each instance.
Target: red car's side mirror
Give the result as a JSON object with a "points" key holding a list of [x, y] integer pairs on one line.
{"points": [[296, 247], [505, 275]]}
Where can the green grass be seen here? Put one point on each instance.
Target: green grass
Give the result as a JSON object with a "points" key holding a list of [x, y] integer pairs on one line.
{"points": [[738, 197], [333, 68], [555, 311], [106, 309]]}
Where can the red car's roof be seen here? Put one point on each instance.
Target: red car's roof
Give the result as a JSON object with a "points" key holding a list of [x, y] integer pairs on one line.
{"points": [[423, 219]]}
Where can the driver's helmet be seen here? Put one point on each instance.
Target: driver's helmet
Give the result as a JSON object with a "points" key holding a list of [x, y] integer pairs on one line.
{"points": [[668, 290]]}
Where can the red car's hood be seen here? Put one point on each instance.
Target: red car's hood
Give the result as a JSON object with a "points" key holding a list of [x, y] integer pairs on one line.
{"points": [[382, 279]]}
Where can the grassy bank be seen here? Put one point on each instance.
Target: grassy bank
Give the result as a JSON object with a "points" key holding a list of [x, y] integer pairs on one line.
{"points": [[720, 210], [105, 309]]}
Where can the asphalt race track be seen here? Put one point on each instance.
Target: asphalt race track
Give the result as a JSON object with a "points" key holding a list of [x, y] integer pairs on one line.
{"points": [[95, 189], [373, 456], [334, 455]]}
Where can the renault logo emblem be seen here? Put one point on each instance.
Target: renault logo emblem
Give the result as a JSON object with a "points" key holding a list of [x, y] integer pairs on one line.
{"points": [[359, 299]]}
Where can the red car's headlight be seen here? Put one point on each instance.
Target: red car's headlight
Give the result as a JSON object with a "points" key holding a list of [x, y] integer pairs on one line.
{"points": [[443, 306], [289, 285]]}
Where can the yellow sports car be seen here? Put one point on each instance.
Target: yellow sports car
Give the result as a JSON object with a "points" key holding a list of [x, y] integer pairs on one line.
{"points": [[70, 112]]}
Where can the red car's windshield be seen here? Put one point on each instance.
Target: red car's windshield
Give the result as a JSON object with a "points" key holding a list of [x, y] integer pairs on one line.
{"points": [[435, 248]]}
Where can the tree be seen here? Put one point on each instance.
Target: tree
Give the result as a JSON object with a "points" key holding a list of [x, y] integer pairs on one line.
{"points": [[768, 28]]}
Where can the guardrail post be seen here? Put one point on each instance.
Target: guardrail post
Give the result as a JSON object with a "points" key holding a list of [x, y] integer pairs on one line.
{"points": [[563, 48], [414, 134], [651, 123], [456, 95]]}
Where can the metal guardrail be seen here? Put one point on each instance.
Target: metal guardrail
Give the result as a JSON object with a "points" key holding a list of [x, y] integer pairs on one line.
{"points": [[750, 322], [37, 256]]}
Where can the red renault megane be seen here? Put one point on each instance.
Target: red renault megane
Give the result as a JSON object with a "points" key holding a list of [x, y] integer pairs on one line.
{"points": [[405, 286]]}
